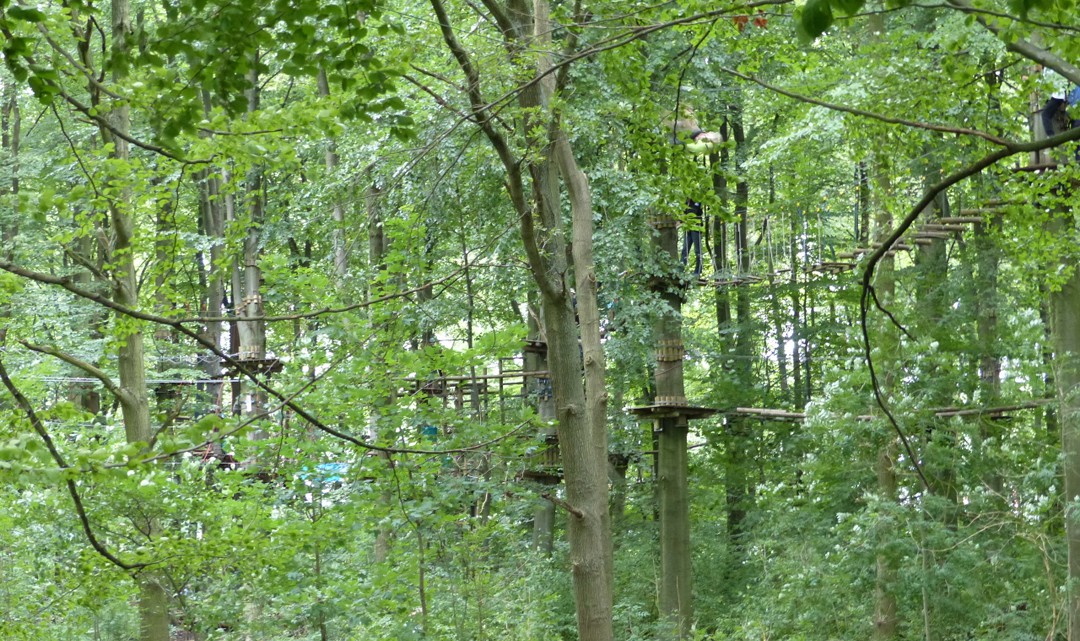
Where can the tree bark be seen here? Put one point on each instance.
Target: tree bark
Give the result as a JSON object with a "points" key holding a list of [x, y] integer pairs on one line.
{"points": [[988, 256], [676, 608], [10, 139], [213, 227], [1065, 328], [252, 333], [580, 404], [539, 389], [134, 405], [886, 618], [737, 456], [341, 250]]}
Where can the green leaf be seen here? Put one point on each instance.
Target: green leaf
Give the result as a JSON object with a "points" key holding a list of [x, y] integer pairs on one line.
{"points": [[816, 17], [848, 7], [25, 13]]}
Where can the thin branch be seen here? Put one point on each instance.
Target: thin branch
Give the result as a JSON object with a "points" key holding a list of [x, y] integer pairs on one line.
{"points": [[39, 427], [219, 436], [439, 100], [888, 314], [931, 194], [100, 120], [501, 19], [257, 132], [94, 82], [75, 151], [867, 114], [515, 184], [83, 365], [1024, 47], [85, 262], [438, 76], [68, 283], [563, 504], [1057, 26], [239, 365]]}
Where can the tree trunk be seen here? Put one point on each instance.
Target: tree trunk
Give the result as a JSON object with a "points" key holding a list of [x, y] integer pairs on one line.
{"points": [[539, 389], [798, 398], [580, 403], [252, 333], [584, 445], [341, 249], [618, 466], [988, 256], [673, 491], [10, 138], [152, 597], [738, 435], [886, 618], [213, 227], [1065, 327], [779, 319], [932, 270]]}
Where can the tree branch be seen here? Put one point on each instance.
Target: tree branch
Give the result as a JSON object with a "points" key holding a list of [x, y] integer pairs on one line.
{"points": [[238, 365], [931, 194], [501, 19], [867, 114], [515, 184], [80, 510], [1023, 47], [83, 365], [563, 504]]}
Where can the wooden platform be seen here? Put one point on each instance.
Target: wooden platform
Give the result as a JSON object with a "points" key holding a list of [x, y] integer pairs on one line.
{"points": [[671, 410]]}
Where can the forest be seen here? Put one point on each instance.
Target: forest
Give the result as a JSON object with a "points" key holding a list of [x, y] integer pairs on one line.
{"points": [[350, 320]]}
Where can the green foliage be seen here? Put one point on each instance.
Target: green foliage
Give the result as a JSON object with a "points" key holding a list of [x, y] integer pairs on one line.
{"points": [[815, 17], [290, 539]]}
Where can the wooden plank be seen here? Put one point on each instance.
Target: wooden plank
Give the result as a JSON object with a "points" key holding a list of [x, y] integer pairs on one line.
{"points": [[940, 227]]}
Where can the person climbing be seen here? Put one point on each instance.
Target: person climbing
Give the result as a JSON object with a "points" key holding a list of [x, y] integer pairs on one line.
{"points": [[1061, 111], [685, 132], [692, 235]]}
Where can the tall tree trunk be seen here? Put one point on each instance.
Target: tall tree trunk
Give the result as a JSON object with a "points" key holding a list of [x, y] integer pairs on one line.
{"points": [[886, 618], [797, 332], [10, 139], [212, 220], [580, 402], [153, 600], [252, 333], [738, 435], [988, 256], [341, 250], [931, 275], [671, 429], [779, 319], [539, 389], [1065, 327], [378, 246], [586, 444]]}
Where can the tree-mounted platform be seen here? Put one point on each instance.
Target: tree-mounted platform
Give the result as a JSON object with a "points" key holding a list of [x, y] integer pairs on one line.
{"points": [[265, 366], [671, 407], [535, 347], [544, 465], [829, 267]]}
